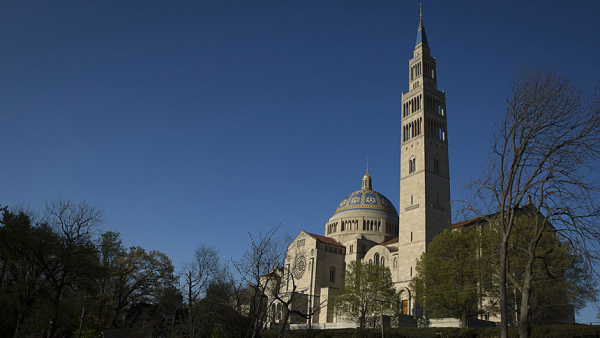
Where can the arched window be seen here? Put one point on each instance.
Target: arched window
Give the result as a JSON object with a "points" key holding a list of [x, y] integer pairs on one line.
{"points": [[395, 264], [383, 261], [332, 274], [377, 258], [412, 165]]}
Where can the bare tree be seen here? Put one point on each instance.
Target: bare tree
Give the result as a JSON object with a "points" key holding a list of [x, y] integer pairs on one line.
{"points": [[75, 224], [286, 299], [547, 147], [197, 277], [257, 279]]}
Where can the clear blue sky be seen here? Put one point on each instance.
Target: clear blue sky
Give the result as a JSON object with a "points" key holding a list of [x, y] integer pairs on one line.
{"points": [[192, 122]]}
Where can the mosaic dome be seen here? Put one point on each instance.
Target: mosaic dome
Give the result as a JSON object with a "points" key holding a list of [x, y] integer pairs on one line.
{"points": [[366, 199]]}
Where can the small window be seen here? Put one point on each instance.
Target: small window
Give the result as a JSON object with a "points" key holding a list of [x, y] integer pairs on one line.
{"points": [[376, 258], [332, 274], [436, 164], [412, 165], [383, 261]]}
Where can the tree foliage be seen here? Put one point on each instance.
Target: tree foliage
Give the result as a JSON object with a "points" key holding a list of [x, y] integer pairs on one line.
{"points": [[140, 276], [449, 274], [561, 283], [458, 273], [364, 289], [22, 278], [54, 266]]}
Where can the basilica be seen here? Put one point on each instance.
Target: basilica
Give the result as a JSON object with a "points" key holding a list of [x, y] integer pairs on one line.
{"points": [[365, 225]]}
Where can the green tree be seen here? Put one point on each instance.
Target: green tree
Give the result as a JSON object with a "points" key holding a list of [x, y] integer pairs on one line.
{"points": [[216, 315], [110, 249], [22, 279], [449, 273], [360, 297], [561, 280], [140, 276]]}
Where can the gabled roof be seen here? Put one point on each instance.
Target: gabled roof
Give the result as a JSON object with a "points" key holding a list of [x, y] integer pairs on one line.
{"points": [[326, 240]]}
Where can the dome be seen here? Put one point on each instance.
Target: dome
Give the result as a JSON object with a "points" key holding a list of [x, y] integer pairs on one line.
{"points": [[364, 214], [366, 199]]}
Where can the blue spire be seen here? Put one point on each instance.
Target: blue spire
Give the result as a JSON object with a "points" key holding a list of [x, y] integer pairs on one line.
{"points": [[421, 36]]}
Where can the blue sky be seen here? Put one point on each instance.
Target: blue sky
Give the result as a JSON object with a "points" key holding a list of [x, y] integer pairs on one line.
{"points": [[194, 122]]}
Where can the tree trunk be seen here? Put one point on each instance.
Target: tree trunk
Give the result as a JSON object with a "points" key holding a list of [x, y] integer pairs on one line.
{"points": [[361, 326], [463, 319], [19, 321], [113, 322], [56, 303], [190, 314], [524, 320], [283, 322], [502, 281]]}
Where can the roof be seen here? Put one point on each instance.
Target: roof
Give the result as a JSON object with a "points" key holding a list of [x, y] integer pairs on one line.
{"points": [[421, 36], [326, 240], [366, 199], [527, 208], [276, 272], [467, 222], [391, 241]]}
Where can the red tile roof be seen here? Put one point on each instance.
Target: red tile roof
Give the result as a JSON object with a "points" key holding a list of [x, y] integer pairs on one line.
{"points": [[327, 240], [467, 223], [524, 209], [391, 241]]}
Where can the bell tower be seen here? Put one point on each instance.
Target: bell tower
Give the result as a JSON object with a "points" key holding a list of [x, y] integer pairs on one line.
{"points": [[424, 174]]}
